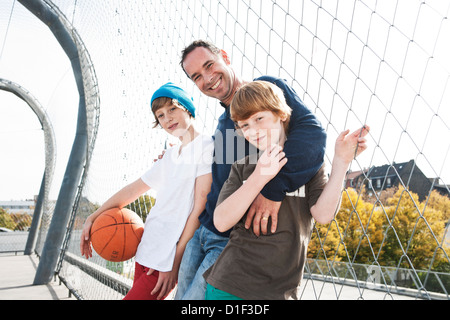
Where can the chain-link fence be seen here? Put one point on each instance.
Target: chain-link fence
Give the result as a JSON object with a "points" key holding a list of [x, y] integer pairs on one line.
{"points": [[382, 63]]}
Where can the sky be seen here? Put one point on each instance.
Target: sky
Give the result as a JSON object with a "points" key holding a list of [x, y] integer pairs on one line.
{"points": [[31, 57]]}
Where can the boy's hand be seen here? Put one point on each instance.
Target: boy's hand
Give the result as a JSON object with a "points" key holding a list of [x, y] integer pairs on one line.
{"points": [[268, 166], [349, 146], [271, 162], [85, 240], [166, 282]]}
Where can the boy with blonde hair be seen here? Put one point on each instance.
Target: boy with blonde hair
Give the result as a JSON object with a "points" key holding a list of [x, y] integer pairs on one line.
{"points": [[271, 266], [211, 71]]}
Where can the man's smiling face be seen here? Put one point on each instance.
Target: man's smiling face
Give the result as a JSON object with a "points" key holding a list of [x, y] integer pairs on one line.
{"points": [[211, 74]]}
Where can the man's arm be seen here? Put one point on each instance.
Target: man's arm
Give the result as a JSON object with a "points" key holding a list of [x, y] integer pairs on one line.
{"points": [[305, 150], [305, 147]]}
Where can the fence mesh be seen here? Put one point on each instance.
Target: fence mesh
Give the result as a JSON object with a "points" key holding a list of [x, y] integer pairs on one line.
{"points": [[382, 63]]}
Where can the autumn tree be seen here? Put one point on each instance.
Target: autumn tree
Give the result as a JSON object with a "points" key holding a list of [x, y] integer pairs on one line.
{"points": [[398, 231], [15, 221], [142, 205], [438, 206], [415, 236], [6, 221], [355, 234]]}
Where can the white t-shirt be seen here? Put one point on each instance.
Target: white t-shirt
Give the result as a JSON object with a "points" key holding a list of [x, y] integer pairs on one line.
{"points": [[173, 177]]}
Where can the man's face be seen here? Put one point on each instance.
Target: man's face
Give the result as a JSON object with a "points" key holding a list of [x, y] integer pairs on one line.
{"points": [[211, 74]]}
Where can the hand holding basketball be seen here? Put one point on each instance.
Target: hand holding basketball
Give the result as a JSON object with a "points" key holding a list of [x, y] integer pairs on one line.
{"points": [[115, 235], [85, 241]]}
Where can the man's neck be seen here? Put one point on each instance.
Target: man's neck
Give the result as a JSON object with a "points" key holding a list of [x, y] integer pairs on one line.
{"points": [[237, 83]]}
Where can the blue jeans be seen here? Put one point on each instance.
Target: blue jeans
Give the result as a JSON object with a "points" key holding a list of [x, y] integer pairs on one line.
{"points": [[201, 252]]}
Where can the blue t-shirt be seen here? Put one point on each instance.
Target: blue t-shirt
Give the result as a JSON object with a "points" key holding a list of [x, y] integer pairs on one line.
{"points": [[304, 149]]}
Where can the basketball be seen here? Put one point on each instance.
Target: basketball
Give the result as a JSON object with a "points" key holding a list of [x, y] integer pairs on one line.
{"points": [[116, 233]]}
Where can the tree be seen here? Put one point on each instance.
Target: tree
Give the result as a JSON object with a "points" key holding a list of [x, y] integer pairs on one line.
{"points": [[414, 238], [398, 231], [6, 220], [14, 221], [142, 205], [438, 206], [354, 235]]}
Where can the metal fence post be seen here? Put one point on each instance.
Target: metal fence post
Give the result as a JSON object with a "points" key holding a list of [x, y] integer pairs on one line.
{"points": [[74, 169], [50, 157]]}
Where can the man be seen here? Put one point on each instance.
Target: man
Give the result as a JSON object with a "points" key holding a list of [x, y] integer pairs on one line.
{"points": [[211, 71]]}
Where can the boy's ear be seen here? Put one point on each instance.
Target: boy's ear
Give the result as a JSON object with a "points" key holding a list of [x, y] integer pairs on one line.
{"points": [[225, 57]]}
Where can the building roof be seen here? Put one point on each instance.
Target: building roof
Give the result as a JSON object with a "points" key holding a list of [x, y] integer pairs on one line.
{"points": [[387, 170], [354, 174]]}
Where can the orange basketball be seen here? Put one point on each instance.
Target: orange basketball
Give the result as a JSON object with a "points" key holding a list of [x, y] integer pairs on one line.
{"points": [[116, 233]]}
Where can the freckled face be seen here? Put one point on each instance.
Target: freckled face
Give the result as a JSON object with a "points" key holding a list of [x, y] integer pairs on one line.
{"points": [[263, 129]]}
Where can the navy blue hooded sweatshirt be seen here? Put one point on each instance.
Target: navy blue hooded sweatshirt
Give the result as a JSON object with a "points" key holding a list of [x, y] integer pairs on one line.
{"points": [[304, 149]]}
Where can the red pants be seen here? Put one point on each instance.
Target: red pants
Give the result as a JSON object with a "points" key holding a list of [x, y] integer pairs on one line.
{"points": [[143, 284]]}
